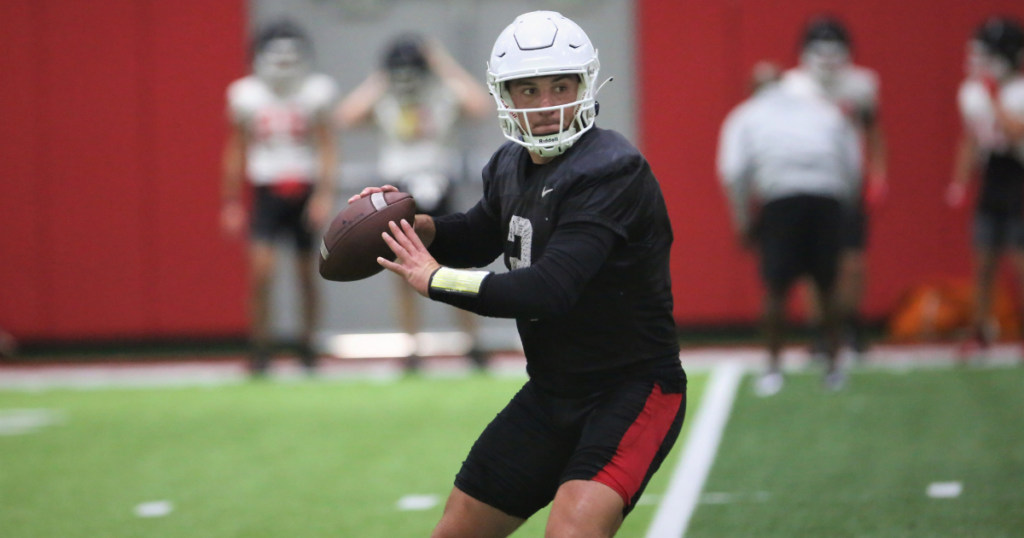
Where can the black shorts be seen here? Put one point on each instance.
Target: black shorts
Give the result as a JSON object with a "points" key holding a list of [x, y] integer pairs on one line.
{"points": [[995, 231], [276, 213], [855, 227], [800, 235], [618, 437]]}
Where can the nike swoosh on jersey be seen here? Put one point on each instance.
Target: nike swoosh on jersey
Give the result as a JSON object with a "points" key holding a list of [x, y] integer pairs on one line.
{"points": [[544, 192]]}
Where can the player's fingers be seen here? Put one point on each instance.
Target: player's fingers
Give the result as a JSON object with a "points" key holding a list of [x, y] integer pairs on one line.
{"points": [[393, 267], [364, 193], [399, 250], [400, 236], [410, 232]]}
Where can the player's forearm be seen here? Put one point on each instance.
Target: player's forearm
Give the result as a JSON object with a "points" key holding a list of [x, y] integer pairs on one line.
{"points": [[548, 289], [357, 107], [1010, 124], [963, 167], [876, 151], [328, 155], [470, 239], [736, 192], [233, 164]]}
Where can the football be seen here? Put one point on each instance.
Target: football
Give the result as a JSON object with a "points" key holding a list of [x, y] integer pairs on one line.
{"points": [[353, 241]]}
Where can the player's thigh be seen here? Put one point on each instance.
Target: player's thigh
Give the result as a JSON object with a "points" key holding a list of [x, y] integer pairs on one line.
{"points": [[628, 435], [516, 464], [855, 228], [781, 244], [262, 256], [585, 508], [826, 225], [466, 517], [295, 224]]}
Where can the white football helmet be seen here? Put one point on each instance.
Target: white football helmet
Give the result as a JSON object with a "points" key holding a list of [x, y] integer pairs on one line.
{"points": [[544, 43], [282, 54]]}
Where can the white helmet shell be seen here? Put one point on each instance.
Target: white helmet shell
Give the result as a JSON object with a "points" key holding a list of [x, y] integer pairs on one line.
{"points": [[536, 44]]}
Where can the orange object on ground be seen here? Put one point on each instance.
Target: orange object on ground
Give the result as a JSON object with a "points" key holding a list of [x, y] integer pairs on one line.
{"points": [[942, 309]]}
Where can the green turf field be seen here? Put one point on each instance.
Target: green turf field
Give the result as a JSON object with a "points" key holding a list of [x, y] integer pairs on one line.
{"points": [[255, 460], [857, 464]]}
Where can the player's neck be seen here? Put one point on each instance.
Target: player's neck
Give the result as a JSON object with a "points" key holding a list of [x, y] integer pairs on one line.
{"points": [[537, 159]]}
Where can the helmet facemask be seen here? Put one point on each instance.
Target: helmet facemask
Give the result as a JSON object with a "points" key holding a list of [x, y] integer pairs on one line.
{"points": [[515, 124], [824, 59], [282, 62]]}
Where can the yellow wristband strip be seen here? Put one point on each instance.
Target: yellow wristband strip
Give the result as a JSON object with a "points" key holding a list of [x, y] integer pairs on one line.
{"points": [[458, 280]]}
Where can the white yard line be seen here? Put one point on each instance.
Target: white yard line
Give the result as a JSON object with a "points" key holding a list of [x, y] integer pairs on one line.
{"points": [[678, 503]]}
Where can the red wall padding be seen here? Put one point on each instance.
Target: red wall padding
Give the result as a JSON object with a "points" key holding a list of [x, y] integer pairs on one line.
{"points": [[113, 125], [694, 60]]}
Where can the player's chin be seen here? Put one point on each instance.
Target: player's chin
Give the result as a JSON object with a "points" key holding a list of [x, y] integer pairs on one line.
{"points": [[544, 130]]}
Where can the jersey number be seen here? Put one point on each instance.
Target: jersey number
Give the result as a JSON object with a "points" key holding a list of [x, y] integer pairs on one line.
{"points": [[520, 231]]}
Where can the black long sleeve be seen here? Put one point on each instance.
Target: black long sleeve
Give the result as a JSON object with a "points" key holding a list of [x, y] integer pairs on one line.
{"points": [[551, 286], [470, 239]]}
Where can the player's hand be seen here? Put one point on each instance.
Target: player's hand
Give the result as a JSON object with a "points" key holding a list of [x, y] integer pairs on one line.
{"points": [[991, 86], [232, 219], [956, 195], [372, 190], [413, 262], [877, 192], [319, 210]]}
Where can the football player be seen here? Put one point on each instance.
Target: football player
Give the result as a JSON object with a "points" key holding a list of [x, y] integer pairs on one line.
{"points": [[416, 100], [582, 225], [281, 140], [991, 102], [789, 152], [825, 59]]}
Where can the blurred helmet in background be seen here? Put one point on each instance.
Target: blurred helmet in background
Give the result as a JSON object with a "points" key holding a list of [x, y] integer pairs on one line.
{"points": [[405, 62], [281, 54], [1001, 43], [544, 43], [825, 48]]}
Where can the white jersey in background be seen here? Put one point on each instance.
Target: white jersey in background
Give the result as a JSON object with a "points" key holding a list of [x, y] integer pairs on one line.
{"points": [[980, 118], [417, 136], [787, 141], [280, 127], [854, 89]]}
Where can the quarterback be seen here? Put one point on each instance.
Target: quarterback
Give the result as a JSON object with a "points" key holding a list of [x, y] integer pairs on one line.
{"points": [[583, 229]]}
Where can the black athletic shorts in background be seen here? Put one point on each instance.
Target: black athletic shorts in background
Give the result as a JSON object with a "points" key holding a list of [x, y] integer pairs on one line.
{"points": [[276, 214], [999, 217], [618, 437], [855, 227], [800, 235]]}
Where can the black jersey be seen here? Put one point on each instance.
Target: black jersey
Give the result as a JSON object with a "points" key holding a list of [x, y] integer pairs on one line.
{"points": [[592, 231]]}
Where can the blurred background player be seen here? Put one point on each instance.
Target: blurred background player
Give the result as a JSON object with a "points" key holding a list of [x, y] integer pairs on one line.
{"points": [[788, 160], [825, 59], [281, 139], [416, 100], [991, 102]]}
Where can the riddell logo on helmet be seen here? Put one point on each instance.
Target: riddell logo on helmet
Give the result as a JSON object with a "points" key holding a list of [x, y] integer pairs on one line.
{"points": [[548, 140]]}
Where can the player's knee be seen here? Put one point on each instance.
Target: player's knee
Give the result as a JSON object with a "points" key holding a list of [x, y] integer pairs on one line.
{"points": [[575, 526]]}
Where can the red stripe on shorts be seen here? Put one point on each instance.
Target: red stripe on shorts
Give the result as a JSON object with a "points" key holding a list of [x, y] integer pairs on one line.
{"points": [[627, 469]]}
